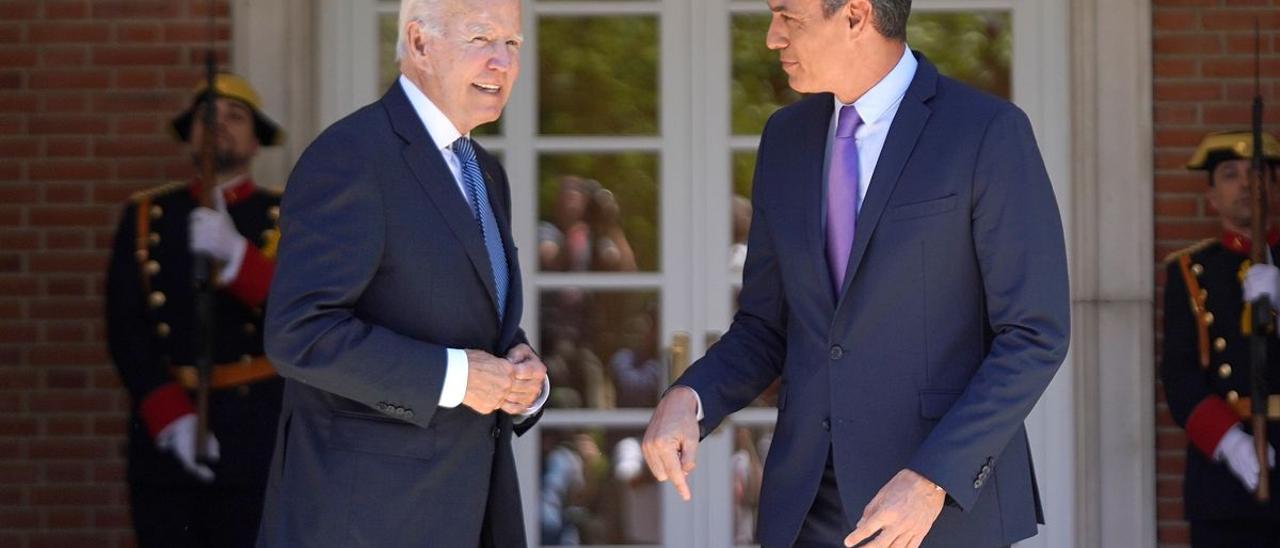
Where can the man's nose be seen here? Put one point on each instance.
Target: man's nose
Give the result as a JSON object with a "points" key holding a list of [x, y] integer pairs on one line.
{"points": [[774, 39]]}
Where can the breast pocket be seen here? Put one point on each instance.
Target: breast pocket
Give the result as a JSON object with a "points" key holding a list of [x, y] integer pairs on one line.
{"points": [[380, 436], [926, 208]]}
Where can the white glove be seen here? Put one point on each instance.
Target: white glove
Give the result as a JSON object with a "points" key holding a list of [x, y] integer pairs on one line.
{"points": [[179, 438], [213, 233], [1262, 279], [1236, 449]]}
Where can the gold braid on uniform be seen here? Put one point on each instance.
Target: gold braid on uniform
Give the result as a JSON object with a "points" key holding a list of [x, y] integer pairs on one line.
{"points": [[1195, 295]]}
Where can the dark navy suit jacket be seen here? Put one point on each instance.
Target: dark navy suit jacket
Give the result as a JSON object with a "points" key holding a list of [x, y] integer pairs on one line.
{"points": [[953, 320], [381, 268]]}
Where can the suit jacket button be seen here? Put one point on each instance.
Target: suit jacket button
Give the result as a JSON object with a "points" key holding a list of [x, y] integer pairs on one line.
{"points": [[408, 413], [837, 352], [495, 432], [826, 424], [977, 484], [986, 469], [381, 406]]}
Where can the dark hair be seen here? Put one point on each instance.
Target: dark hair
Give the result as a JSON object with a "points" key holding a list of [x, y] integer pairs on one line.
{"points": [[889, 16]]}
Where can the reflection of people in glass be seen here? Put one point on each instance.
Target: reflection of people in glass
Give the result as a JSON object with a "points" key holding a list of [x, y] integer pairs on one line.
{"points": [[741, 226], [747, 468], [636, 370], [564, 243], [639, 496], [610, 251], [562, 481]]}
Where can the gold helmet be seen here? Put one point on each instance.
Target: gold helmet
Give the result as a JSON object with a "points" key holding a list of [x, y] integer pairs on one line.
{"points": [[1232, 145], [231, 86]]}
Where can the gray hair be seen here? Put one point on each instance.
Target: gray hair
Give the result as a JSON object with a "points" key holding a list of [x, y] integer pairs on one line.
{"points": [[426, 13], [888, 16]]}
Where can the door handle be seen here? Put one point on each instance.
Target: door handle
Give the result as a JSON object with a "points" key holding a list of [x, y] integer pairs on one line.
{"points": [[677, 355]]}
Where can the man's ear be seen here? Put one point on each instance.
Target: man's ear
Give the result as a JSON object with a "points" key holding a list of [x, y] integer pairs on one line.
{"points": [[856, 12]]}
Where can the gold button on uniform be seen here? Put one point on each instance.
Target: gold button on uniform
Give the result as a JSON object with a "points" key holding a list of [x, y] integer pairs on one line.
{"points": [[250, 329], [1219, 344], [1208, 318], [1197, 269], [273, 212], [1204, 294], [1233, 396], [141, 255], [153, 267], [1224, 370], [156, 299], [156, 212], [154, 238], [162, 329]]}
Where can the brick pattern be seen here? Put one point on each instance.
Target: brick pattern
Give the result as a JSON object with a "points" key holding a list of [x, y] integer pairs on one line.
{"points": [[86, 91], [1203, 81]]}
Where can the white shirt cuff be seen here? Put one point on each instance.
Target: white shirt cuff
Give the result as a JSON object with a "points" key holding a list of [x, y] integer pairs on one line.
{"points": [[455, 378], [231, 270], [537, 404], [699, 398]]}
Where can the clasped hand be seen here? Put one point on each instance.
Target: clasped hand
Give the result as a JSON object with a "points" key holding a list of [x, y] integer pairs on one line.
{"points": [[511, 384]]}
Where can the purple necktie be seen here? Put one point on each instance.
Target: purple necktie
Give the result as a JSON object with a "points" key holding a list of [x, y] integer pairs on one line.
{"points": [[842, 195]]}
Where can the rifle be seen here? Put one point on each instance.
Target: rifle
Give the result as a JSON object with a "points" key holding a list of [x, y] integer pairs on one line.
{"points": [[1263, 316], [203, 266]]}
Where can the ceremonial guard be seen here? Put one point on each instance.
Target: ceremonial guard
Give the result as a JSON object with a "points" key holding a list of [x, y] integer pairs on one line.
{"points": [[178, 498], [1206, 363]]}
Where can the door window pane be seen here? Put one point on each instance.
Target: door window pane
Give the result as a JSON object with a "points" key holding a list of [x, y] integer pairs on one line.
{"points": [[598, 212], [596, 489], [601, 348], [598, 75]]}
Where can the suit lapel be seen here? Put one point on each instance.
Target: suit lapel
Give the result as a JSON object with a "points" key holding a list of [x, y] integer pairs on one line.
{"points": [[907, 125], [809, 158], [437, 181]]}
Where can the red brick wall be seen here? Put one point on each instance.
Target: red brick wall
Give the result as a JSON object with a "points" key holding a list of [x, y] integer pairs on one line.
{"points": [[1203, 56], [86, 90]]}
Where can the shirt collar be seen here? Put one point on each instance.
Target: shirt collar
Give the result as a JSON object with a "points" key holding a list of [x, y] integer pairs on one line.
{"points": [[442, 131], [887, 92]]}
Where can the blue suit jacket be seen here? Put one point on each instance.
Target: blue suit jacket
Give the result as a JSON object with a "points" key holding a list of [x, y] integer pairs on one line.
{"points": [[953, 320], [381, 267]]}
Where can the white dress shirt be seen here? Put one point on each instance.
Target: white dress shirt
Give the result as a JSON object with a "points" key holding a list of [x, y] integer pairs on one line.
{"points": [[444, 133]]}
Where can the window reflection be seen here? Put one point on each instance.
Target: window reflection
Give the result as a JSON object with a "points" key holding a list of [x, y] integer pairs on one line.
{"points": [[598, 213], [746, 463], [596, 489], [601, 348]]}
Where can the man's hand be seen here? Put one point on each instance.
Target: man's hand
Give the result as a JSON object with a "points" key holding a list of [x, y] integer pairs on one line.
{"points": [[529, 376], [902, 512], [489, 379], [671, 439], [179, 438], [1260, 280], [1236, 449]]}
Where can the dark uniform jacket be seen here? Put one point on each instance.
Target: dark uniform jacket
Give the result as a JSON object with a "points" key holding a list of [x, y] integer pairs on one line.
{"points": [[1206, 382], [150, 329]]}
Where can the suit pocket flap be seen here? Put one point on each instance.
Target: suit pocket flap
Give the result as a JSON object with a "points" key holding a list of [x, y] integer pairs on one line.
{"points": [[382, 436], [935, 404], [923, 209]]}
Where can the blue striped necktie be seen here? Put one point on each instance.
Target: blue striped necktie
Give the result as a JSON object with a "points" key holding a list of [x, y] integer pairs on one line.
{"points": [[478, 199]]}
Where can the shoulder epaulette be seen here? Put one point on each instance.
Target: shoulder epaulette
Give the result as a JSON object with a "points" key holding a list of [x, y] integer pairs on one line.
{"points": [[157, 191], [1172, 257]]}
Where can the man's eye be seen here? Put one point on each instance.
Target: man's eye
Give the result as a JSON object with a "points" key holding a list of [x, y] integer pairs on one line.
{"points": [[479, 39]]}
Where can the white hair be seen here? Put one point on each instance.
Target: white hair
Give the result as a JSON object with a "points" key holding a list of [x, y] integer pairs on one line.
{"points": [[426, 13]]}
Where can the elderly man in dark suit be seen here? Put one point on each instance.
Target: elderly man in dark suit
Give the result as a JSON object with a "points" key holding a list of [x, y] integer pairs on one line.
{"points": [[396, 307], [906, 278]]}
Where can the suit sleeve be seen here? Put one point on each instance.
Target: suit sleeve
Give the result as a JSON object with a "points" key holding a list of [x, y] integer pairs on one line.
{"points": [[750, 355], [1203, 414], [332, 240], [157, 397], [1018, 241]]}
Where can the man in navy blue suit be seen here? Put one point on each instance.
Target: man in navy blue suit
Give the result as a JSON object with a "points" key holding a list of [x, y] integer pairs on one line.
{"points": [[906, 278], [395, 311]]}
